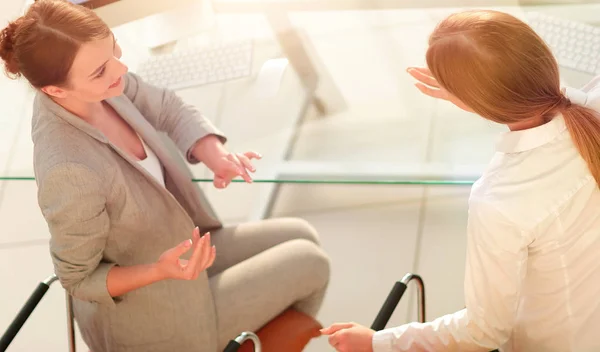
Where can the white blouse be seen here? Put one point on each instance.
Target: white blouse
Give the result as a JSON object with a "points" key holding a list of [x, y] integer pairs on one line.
{"points": [[152, 164], [532, 279]]}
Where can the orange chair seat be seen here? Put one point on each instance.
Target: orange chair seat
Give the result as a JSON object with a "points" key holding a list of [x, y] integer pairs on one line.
{"points": [[291, 331]]}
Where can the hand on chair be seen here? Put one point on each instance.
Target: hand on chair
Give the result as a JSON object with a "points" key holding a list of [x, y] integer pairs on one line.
{"points": [[350, 337]]}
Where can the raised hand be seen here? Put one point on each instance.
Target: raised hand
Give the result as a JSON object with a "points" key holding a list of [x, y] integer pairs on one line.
{"points": [[233, 165], [170, 266], [428, 85]]}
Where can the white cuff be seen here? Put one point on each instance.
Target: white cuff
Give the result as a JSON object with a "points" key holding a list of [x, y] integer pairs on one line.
{"points": [[383, 341]]}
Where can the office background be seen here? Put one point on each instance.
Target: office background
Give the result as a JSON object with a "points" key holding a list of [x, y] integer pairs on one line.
{"points": [[319, 88]]}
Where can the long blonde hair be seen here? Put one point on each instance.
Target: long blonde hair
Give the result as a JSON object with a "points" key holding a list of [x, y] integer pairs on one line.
{"points": [[498, 66]]}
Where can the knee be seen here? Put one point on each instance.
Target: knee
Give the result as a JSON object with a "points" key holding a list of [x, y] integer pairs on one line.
{"points": [[301, 229], [313, 259]]}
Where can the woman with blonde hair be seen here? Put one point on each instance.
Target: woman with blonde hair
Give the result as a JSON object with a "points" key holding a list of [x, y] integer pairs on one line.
{"points": [[125, 218], [532, 279]]}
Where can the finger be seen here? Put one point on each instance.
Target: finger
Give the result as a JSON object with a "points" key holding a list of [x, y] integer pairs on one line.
{"points": [[190, 269], [252, 155], [234, 167], [336, 327], [194, 240], [432, 92], [205, 255], [340, 339], [423, 77], [195, 235], [424, 70], [180, 249], [213, 256], [244, 174], [333, 341], [220, 182], [246, 162]]}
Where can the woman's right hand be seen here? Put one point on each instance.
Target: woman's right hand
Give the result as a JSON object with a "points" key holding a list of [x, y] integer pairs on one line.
{"points": [[428, 85], [170, 266]]}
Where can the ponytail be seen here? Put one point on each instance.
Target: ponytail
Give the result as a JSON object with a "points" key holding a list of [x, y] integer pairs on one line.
{"points": [[584, 127]]}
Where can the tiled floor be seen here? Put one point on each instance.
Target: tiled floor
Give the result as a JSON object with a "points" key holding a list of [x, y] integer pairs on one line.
{"points": [[373, 233]]}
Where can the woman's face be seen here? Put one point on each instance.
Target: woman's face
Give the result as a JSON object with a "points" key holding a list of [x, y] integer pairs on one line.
{"points": [[96, 73]]}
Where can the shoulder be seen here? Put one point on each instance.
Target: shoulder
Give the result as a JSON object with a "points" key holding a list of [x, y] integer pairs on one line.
{"points": [[134, 86], [529, 187], [57, 144], [493, 224]]}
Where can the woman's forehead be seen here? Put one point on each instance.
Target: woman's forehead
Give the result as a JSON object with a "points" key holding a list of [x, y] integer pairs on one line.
{"points": [[92, 55]]}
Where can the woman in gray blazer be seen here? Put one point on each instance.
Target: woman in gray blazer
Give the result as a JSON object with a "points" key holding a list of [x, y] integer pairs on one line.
{"points": [[125, 218]]}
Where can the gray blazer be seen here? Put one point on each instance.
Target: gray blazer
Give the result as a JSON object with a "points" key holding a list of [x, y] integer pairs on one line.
{"points": [[103, 210]]}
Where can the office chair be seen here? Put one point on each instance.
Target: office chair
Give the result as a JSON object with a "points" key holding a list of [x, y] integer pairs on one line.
{"points": [[386, 311], [291, 331]]}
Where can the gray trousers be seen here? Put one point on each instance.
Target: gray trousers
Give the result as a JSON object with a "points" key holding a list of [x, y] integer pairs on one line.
{"points": [[263, 268]]}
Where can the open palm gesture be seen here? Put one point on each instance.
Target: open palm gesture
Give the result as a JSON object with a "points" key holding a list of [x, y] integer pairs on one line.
{"points": [[428, 85]]}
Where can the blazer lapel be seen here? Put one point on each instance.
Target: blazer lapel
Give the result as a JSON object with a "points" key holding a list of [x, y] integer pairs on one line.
{"points": [[196, 204], [182, 180]]}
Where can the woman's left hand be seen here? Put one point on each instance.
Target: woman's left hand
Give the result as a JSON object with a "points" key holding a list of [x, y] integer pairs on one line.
{"points": [[350, 337]]}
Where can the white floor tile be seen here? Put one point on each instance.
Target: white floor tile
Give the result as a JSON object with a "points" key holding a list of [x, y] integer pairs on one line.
{"points": [[459, 137], [20, 162], [441, 257], [15, 120], [22, 270], [316, 199], [370, 248], [20, 215], [361, 136]]}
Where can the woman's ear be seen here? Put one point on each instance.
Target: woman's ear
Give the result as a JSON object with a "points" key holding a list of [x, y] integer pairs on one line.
{"points": [[54, 91]]}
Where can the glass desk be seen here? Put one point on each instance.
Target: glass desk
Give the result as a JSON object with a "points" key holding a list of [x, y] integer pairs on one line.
{"points": [[345, 111], [349, 144]]}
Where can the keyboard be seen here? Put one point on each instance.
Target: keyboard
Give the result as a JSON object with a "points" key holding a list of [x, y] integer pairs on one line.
{"points": [[199, 65], [575, 45]]}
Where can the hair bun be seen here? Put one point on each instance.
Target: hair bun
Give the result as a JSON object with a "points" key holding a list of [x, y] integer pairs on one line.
{"points": [[7, 48]]}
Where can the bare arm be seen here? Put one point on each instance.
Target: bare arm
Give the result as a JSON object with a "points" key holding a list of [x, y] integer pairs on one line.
{"points": [[122, 280]]}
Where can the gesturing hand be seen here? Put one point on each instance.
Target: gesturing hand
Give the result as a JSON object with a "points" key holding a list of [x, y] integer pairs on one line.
{"points": [[170, 266], [428, 85], [225, 165], [232, 165]]}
